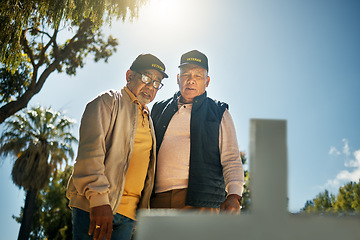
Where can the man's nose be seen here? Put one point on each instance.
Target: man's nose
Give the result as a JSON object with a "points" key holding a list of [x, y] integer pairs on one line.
{"points": [[191, 79]]}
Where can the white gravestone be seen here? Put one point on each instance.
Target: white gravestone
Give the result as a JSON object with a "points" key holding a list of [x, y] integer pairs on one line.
{"points": [[268, 218]]}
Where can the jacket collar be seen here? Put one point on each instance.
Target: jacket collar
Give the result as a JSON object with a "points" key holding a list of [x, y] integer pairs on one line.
{"points": [[197, 100], [125, 94]]}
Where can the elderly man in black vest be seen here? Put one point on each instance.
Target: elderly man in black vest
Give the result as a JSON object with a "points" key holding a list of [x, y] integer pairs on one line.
{"points": [[198, 160]]}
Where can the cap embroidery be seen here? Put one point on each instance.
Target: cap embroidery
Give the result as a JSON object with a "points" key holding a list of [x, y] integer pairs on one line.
{"points": [[193, 59], [157, 66]]}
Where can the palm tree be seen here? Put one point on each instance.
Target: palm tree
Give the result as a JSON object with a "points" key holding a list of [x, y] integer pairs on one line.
{"points": [[39, 140]]}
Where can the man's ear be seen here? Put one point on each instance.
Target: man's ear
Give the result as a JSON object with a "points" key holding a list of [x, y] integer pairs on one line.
{"points": [[129, 75], [207, 81]]}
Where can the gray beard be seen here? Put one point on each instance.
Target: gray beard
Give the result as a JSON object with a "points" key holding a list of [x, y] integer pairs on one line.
{"points": [[142, 100]]}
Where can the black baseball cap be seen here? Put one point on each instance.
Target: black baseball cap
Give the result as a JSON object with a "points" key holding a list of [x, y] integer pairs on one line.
{"points": [[148, 61], [194, 57]]}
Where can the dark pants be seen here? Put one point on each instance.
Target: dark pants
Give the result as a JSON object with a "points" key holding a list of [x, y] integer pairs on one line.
{"points": [[122, 226]]}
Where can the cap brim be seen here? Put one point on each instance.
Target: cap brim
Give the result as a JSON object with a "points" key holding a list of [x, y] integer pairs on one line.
{"points": [[187, 63], [164, 75]]}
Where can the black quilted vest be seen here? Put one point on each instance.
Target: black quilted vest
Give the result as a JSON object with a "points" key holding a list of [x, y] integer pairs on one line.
{"points": [[206, 187]]}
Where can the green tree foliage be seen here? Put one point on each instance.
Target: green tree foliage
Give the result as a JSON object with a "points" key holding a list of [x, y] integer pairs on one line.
{"points": [[347, 201], [52, 217], [39, 140], [348, 198], [39, 37], [246, 201]]}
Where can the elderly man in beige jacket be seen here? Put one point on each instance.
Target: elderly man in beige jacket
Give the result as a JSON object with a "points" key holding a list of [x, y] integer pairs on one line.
{"points": [[115, 166]]}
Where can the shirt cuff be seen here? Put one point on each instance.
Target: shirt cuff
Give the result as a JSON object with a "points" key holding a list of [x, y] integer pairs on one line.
{"points": [[235, 188]]}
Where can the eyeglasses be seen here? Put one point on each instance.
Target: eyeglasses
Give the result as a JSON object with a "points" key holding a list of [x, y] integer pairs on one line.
{"points": [[147, 80]]}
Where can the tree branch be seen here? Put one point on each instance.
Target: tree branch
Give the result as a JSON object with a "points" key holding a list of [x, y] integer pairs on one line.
{"points": [[12, 107], [44, 49]]}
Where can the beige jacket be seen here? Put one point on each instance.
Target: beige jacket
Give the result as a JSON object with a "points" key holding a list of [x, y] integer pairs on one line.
{"points": [[107, 134]]}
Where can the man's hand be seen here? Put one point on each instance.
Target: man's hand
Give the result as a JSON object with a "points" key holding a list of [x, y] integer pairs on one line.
{"points": [[231, 204], [101, 218]]}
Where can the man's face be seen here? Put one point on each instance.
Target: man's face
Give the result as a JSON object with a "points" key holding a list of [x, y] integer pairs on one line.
{"points": [[192, 81], [145, 93]]}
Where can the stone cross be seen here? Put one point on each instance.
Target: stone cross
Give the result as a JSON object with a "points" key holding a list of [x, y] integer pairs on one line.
{"points": [[268, 219]]}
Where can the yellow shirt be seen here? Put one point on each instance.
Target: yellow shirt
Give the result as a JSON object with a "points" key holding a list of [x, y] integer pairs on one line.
{"points": [[139, 162]]}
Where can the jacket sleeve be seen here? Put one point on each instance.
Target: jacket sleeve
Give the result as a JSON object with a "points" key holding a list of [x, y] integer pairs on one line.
{"points": [[89, 169], [230, 156]]}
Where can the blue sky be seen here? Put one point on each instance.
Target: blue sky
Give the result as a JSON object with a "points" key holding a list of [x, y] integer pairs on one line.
{"points": [[278, 59]]}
